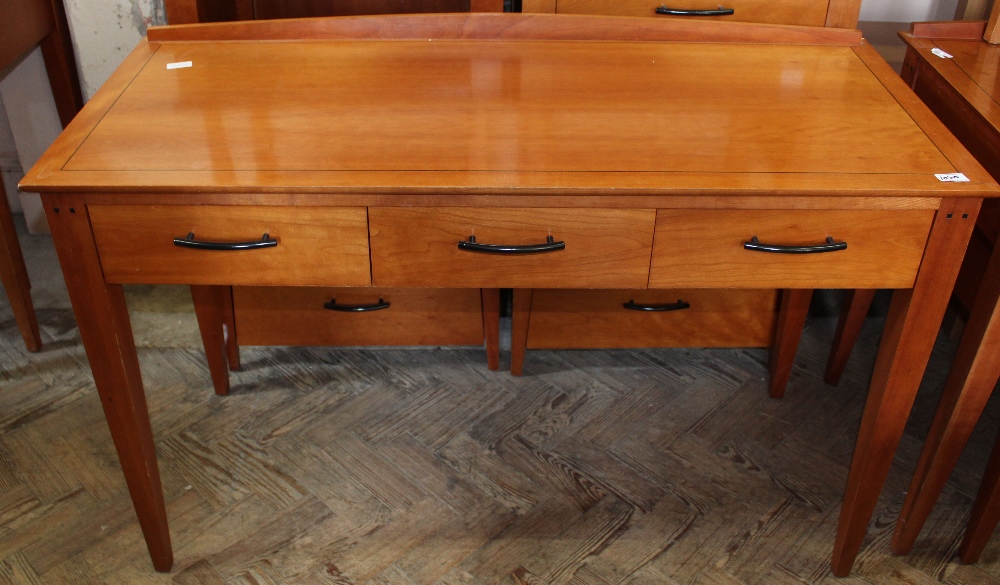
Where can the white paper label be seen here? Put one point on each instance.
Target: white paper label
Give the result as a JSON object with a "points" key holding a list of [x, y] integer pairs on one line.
{"points": [[179, 65], [952, 178], [940, 53]]}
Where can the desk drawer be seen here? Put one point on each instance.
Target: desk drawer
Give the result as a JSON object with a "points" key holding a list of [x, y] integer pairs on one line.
{"points": [[296, 316], [604, 248], [696, 248], [564, 319], [801, 12], [315, 245]]}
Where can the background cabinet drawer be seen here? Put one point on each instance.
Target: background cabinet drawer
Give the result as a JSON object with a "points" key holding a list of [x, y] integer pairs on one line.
{"points": [[801, 12], [295, 316], [604, 248], [315, 245], [597, 318], [697, 248]]}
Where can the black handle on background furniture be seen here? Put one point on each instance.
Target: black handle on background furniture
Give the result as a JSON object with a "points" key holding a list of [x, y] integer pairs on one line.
{"points": [[830, 246], [549, 246], [333, 306], [679, 305], [266, 241], [720, 11]]}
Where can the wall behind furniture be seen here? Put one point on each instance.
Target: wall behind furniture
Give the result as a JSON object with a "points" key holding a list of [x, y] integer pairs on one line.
{"points": [[907, 10]]}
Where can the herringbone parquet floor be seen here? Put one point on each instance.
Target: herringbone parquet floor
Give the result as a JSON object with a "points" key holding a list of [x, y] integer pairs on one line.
{"points": [[386, 467]]}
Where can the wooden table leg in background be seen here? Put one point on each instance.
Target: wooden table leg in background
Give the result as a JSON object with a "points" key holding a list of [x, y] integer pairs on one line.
{"points": [[852, 317], [519, 314], [970, 383], [232, 343], [792, 310], [910, 331], [107, 337], [985, 512], [491, 326], [211, 307], [14, 276]]}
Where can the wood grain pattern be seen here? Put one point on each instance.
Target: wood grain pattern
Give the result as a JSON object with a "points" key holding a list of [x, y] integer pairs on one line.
{"points": [[295, 316], [210, 306], [793, 307], [307, 239], [798, 12], [883, 250], [34, 22], [419, 247], [948, 29], [970, 383], [913, 320], [591, 319], [104, 326], [991, 34], [843, 14], [14, 276], [852, 317]]}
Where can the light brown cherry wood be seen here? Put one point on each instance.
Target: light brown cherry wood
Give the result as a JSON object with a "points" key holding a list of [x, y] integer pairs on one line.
{"points": [[519, 126], [296, 316], [881, 247], [420, 247], [314, 245], [801, 12], [715, 318]]}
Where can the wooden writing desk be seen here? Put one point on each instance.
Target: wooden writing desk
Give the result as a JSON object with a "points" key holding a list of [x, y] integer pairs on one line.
{"points": [[627, 153]]}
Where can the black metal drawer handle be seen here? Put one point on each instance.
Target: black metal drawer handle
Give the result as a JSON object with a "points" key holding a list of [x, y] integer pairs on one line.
{"points": [[720, 11], [333, 306], [266, 241], [830, 246], [549, 246], [679, 305]]}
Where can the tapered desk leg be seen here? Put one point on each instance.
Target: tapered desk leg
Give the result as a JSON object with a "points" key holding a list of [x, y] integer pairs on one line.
{"points": [[910, 330], [491, 326], [852, 317], [107, 338], [520, 312], [792, 310], [232, 343], [985, 512], [970, 382], [210, 306], [14, 276]]}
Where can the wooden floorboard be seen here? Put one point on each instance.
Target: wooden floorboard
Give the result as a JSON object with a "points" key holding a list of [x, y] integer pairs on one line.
{"points": [[413, 467]]}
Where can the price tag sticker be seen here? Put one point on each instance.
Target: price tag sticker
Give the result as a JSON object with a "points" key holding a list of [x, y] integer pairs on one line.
{"points": [[952, 178], [180, 65], [941, 53]]}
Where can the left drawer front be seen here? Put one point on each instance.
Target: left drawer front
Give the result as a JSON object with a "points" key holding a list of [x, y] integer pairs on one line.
{"points": [[315, 245], [416, 316], [604, 248]]}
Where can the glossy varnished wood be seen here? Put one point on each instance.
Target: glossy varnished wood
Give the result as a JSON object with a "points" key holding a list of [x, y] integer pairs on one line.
{"points": [[106, 332], [295, 316], [800, 12], [363, 123], [419, 247], [14, 276], [793, 307], [852, 317], [883, 249], [914, 317], [137, 245], [563, 318]]}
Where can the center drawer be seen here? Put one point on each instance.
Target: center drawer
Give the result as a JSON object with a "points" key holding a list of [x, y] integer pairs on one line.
{"points": [[788, 249], [800, 12], [307, 316], [304, 245], [541, 248]]}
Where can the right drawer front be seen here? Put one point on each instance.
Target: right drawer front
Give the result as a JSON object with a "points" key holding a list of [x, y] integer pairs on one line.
{"points": [[296, 316], [800, 12], [604, 248], [697, 248], [566, 319]]}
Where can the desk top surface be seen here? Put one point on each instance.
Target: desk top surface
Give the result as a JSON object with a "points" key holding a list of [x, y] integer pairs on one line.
{"points": [[505, 115]]}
